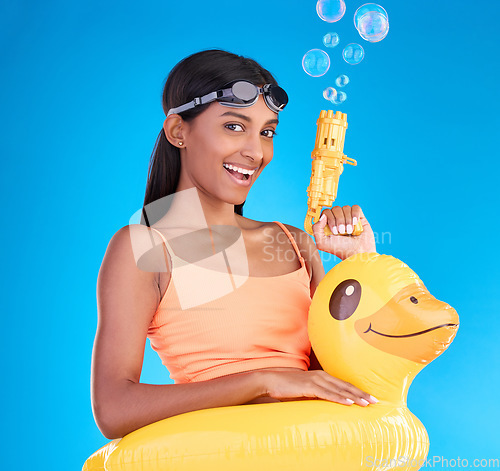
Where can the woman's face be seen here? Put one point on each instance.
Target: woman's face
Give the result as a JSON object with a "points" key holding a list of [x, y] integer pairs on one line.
{"points": [[226, 149]]}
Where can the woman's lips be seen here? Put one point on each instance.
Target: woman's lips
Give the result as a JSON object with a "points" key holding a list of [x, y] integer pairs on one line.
{"points": [[239, 182]]}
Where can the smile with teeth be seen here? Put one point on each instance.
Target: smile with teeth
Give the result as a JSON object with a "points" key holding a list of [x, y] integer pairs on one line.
{"points": [[240, 173]]}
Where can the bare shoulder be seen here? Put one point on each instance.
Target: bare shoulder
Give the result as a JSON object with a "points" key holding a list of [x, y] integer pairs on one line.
{"points": [[134, 233], [127, 283], [304, 241], [139, 246], [263, 232], [251, 224]]}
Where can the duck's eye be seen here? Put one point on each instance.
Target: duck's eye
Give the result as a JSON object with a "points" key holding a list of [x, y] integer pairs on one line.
{"points": [[345, 299], [414, 300]]}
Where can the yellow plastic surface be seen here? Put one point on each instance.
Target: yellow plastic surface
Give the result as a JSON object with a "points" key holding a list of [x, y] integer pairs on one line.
{"points": [[373, 323], [327, 166]]}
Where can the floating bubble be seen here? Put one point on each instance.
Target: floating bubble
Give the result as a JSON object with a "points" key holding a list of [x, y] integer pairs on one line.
{"points": [[373, 27], [372, 22], [369, 7], [342, 81], [331, 39], [340, 98], [330, 10], [316, 62], [329, 93], [353, 53]]}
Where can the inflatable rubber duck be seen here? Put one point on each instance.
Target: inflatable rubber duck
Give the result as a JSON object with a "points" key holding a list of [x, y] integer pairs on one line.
{"points": [[372, 323]]}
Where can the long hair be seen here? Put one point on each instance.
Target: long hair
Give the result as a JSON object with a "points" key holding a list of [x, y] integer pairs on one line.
{"points": [[196, 75]]}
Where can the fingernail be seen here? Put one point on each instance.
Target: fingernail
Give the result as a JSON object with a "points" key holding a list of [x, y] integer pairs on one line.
{"points": [[334, 230], [323, 217], [349, 401], [341, 228], [364, 402], [373, 399], [354, 220], [349, 229]]}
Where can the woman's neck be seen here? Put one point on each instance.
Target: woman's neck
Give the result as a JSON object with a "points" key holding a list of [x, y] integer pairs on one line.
{"points": [[192, 209]]}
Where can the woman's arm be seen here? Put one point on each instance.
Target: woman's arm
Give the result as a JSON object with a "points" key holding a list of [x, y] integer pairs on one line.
{"points": [[340, 245], [127, 298]]}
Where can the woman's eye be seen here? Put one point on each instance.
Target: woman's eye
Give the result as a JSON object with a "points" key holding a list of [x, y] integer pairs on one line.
{"points": [[234, 127], [269, 133]]}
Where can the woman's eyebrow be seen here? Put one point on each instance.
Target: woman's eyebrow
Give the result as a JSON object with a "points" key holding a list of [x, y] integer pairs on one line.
{"points": [[246, 118]]}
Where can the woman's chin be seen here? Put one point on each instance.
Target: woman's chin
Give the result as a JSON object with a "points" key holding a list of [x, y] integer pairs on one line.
{"points": [[237, 203], [236, 199]]}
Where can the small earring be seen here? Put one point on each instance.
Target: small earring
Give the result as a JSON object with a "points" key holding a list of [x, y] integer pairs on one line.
{"points": [[181, 143]]}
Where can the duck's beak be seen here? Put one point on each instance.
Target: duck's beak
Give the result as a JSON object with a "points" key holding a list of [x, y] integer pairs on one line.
{"points": [[412, 325]]}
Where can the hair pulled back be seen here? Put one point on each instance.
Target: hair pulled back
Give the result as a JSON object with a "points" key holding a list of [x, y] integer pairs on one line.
{"points": [[194, 76]]}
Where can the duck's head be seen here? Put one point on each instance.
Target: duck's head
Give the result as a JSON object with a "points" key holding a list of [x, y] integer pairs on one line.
{"points": [[373, 323]]}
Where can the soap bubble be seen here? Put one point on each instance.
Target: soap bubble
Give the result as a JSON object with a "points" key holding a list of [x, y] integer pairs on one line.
{"points": [[367, 8], [330, 10], [331, 39], [342, 81], [372, 22], [329, 93], [316, 62], [340, 98], [353, 53]]}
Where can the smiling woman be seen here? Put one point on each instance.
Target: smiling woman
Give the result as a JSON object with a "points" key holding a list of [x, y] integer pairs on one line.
{"points": [[221, 143], [191, 87], [226, 314]]}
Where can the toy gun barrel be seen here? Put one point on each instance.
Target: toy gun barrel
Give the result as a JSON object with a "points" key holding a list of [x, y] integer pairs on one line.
{"points": [[327, 166]]}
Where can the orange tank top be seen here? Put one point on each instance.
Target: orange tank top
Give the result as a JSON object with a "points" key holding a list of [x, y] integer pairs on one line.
{"points": [[262, 323]]}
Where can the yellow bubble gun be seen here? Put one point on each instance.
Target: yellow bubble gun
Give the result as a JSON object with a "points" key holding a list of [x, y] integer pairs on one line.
{"points": [[327, 165]]}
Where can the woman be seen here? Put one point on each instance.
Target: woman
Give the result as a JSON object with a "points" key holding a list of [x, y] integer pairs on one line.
{"points": [[224, 343]]}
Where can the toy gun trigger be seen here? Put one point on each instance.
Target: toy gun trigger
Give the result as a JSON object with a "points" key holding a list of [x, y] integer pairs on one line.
{"points": [[348, 160]]}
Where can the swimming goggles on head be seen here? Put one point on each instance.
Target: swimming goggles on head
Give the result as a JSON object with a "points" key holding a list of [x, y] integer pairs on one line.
{"points": [[240, 94]]}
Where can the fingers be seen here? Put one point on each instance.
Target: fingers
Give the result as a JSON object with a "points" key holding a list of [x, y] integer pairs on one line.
{"points": [[348, 393], [315, 384], [319, 231], [342, 220], [357, 395], [346, 228], [357, 214]]}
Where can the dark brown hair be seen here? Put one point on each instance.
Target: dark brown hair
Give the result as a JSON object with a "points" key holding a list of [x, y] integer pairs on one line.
{"points": [[194, 76]]}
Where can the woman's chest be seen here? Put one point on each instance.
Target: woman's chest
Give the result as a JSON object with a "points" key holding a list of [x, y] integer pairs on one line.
{"points": [[266, 252]]}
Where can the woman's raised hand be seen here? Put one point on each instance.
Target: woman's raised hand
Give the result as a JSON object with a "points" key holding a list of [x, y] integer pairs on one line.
{"points": [[290, 384], [342, 220]]}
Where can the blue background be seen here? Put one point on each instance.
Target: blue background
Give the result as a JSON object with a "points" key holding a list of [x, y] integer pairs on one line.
{"points": [[80, 95]]}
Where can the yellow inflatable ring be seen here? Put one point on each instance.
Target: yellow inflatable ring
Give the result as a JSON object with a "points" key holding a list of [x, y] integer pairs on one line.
{"points": [[373, 323]]}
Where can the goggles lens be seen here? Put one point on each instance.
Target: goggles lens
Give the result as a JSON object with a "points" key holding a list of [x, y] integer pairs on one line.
{"points": [[245, 91], [278, 96]]}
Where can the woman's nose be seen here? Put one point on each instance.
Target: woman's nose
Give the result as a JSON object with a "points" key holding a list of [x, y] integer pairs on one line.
{"points": [[253, 148]]}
